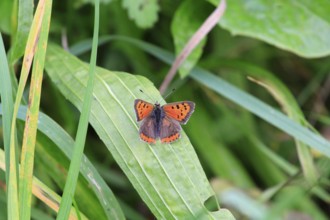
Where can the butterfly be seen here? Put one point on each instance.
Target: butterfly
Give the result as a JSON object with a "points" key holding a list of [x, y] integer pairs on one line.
{"points": [[162, 122]]}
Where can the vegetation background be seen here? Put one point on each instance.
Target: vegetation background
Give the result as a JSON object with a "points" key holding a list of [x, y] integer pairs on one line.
{"points": [[257, 139]]}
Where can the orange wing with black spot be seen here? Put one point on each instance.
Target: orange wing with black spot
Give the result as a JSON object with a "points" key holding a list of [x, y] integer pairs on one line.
{"points": [[179, 111], [142, 109]]}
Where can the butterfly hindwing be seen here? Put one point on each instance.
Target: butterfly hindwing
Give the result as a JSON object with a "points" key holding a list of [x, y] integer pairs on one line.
{"points": [[179, 111], [148, 130], [142, 109], [169, 130]]}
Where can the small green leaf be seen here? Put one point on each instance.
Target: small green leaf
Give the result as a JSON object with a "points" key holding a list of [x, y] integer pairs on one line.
{"points": [[143, 12], [302, 27]]}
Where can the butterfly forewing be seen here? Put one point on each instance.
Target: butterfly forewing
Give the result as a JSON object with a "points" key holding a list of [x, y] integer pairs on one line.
{"points": [[142, 109], [179, 111]]}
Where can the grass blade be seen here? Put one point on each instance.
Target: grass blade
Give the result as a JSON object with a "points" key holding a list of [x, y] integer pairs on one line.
{"points": [[262, 110], [8, 103], [284, 97], [82, 127], [64, 142], [13, 211], [24, 21], [42, 192], [30, 130]]}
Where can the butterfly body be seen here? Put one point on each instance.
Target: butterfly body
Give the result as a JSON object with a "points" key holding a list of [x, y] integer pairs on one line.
{"points": [[157, 115], [162, 122]]}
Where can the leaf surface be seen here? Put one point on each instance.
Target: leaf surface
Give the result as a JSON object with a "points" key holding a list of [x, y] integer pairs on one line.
{"points": [[169, 178]]}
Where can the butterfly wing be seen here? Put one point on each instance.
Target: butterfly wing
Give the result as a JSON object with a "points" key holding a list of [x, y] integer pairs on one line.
{"points": [[142, 109], [148, 130], [169, 130], [179, 111]]}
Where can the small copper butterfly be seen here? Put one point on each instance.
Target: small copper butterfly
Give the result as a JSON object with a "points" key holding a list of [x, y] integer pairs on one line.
{"points": [[162, 122]]}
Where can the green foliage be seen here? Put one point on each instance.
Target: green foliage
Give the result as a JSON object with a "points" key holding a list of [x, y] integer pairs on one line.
{"points": [[273, 166], [298, 26], [144, 13]]}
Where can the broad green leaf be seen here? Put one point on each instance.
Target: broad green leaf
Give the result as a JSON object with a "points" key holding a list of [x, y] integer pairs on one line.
{"points": [[169, 178], [187, 19], [24, 21], [143, 12], [302, 27]]}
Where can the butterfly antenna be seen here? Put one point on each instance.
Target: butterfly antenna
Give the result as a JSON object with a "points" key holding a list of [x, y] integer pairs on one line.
{"points": [[168, 94], [146, 94]]}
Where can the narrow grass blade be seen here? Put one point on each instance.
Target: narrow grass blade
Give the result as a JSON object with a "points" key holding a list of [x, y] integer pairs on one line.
{"points": [[8, 103], [13, 211], [64, 142], [262, 110], [82, 127], [290, 106], [42, 192], [30, 130], [210, 148], [288, 103]]}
